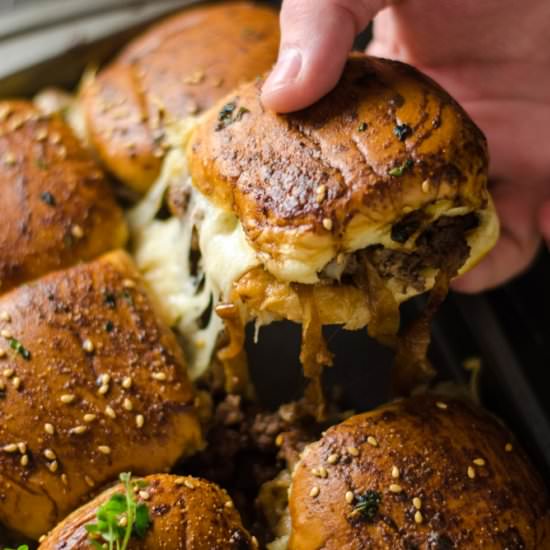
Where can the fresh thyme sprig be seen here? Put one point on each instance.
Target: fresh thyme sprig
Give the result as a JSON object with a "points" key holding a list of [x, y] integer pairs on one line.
{"points": [[120, 518]]}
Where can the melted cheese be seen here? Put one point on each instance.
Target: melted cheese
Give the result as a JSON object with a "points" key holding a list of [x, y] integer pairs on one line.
{"points": [[162, 250]]}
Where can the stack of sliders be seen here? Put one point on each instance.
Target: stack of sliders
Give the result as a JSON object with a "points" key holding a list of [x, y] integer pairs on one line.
{"points": [[334, 215]]}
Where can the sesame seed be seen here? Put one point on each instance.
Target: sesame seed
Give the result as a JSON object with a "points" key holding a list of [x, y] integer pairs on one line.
{"points": [[395, 473], [67, 398], [88, 346], [104, 379], [89, 417], [372, 441], [64, 479], [471, 472], [123, 521], [5, 333], [127, 383], [41, 135], [24, 460], [479, 461], [103, 389], [16, 382], [508, 447], [49, 454], [49, 428], [8, 373], [349, 497], [279, 440], [160, 376], [42, 539], [228, 504], [140, 421], [10, 448], [128, 283], [188, 484], [417, 503], [104, 449], [22, 447], [394, 488], [314, 492], [9, 159], [333, 458], [321, 193], [327, 224], [127, 404], [52, 466], [109, 411], [418, 517], [425, 186], [441, 405], [78, 430], [353, 451], [144, 495], [5, 316], [89, 481]]}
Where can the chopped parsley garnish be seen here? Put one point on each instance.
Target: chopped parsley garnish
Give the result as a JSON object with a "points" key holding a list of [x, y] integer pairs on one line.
{"points": [[110, 300], [362, 127], [128, 297], [20, 547], [400, 170], [120, 518], [402, 131], [48, 198], [366, 505], [227, 115], [17, 346], [41, 163]]}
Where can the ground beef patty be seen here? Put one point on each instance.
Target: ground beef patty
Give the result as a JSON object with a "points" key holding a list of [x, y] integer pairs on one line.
{"points": [[441, 240]]}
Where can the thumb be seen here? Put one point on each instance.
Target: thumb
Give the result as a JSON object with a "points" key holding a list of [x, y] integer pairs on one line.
{"points": [[316, 37]]}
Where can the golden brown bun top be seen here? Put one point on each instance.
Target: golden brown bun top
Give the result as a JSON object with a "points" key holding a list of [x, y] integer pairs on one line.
{"points": [[329, 179], [474, 485], [187, 513], [103, 389], [178, 68], [57, 207]]}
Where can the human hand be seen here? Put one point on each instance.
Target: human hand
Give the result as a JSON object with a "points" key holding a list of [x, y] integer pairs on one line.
{"points": [[493, 56]]}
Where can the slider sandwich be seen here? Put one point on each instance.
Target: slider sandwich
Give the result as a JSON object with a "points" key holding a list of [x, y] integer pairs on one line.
{"points": [[336, 214]]}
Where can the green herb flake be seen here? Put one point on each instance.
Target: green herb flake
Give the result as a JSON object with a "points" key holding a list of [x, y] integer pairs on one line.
{"points": [[227, 115], [20, 547], [17, 346], [362, 127], [120, 518], [400, 170], [402, 131], [41, 163], [48, 198], [366, 505]]}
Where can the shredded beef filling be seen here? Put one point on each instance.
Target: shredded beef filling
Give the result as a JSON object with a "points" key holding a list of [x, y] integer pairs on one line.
{"points": [[434, 246]]}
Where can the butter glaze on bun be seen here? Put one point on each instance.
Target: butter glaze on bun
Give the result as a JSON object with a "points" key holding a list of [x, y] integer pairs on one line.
{"points": [[57, 207], [177, 69], [93, 384], [424, 473], [187, 513]]}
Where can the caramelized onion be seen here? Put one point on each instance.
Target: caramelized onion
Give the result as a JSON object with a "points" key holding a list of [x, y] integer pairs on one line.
{"points": [[233, 355], [314, 353]]}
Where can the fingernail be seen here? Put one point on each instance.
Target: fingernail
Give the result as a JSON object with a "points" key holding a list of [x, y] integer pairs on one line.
{"points": [[286, 70]]}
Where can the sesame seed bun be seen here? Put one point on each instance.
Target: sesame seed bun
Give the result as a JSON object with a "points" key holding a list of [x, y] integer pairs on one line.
{"points": [[57, 206], [186, 512], [177, 69], [418, 473], [383, 162], [101, 388]]}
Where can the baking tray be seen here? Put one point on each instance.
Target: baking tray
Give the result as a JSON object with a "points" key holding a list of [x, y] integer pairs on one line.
{"points": [[465, 327]]}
